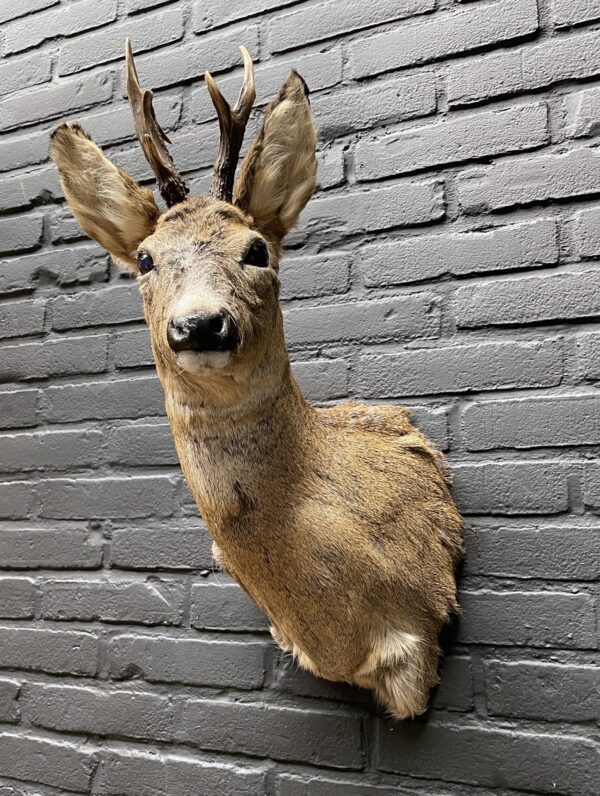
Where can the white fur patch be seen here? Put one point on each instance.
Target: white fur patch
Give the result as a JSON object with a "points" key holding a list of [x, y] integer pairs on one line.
{"points": [[197, 362]]}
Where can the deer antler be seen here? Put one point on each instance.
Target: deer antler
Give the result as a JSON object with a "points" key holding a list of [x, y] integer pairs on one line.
{"points": [[152, 137], [232, 123]]}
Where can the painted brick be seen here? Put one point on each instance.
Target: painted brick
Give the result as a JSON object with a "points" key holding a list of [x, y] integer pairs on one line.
{"points": [[546, 691], [176, 547], [555, 553], [18, 408], [16, 499], [320, 738], [532, 423], [433, 421], [591, 486], [154, 602], [529, 300], [20, 234], [319, 785], [534, 619], [50, 450], [49, 762], [143, 774], [453, 140], [452, 369], [588, 347], [133, 6], [224, 606], [213, 14], [21, 73], [19, 8], [323, 379], [418, 258], [52, 651], [139, 445], [21, 318], [574, 12], [525, 69], [485, 756], [31, 188], [400, 318], [80, 498], [23, 150], [53, 357], [318, 275], [363, 107], [455, 691], [37, 548], [9, 710], [17, 598], [107, 45], [449, 33], [45, 103], [98, 307], [511, 488], [587, 234], [84, 15], [218, 664], [132, 349], [97, 711], [330, 168], [324, 20], [104, 400], [527, 180], [583, 110], [62, 268], [405, 204]]}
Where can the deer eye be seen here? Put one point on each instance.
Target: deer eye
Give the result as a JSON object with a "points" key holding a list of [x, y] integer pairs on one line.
{"points": [[145, 262], [257, 254]]}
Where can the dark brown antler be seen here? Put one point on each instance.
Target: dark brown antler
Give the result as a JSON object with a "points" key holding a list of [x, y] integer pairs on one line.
{"points": [[152, 137], [232, 123]]}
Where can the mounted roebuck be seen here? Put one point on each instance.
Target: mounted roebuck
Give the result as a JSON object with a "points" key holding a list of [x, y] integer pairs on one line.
{"points": [[337, 522]]}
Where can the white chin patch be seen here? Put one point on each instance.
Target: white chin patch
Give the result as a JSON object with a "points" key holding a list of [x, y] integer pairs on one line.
{"points": [[200, 361]]}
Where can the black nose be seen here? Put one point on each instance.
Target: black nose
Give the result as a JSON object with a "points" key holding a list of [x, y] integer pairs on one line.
{"points": [[210, 332]]}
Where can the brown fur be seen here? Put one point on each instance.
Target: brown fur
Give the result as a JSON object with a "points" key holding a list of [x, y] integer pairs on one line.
{"points": [[337, 522]]}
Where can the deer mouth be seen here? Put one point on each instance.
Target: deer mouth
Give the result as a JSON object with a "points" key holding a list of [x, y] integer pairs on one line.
{"points": [[198, 362]]}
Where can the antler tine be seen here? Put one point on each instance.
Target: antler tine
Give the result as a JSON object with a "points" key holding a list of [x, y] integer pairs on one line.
{"points": [[152, 137], [232, 123]]}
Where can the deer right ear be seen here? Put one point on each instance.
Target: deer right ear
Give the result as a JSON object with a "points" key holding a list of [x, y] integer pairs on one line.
{"points": [[278, 174], [108, 203]]}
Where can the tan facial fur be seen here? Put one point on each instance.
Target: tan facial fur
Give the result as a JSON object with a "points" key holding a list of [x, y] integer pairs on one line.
{"points": [[198, 249], [338, 522]]}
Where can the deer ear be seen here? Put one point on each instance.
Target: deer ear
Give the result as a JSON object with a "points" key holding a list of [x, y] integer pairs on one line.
{"points": [[108, 203], [278, 174]]}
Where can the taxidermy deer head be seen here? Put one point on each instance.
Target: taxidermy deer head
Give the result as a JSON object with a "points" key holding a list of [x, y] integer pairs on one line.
{"points": [[338, 522]]}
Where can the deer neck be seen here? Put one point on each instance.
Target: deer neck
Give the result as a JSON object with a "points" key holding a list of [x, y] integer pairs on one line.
{"points": [[234, 456]]}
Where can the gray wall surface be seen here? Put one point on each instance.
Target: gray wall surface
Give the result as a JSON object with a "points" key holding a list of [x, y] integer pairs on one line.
{"points": [[449, 261]]}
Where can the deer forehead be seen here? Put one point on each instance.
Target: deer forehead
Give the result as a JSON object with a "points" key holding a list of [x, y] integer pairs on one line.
{"points": [[203, 219]]}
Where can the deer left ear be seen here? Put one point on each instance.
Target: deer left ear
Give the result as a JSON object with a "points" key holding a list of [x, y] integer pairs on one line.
{"points": [[278, 174], [108, 203]]}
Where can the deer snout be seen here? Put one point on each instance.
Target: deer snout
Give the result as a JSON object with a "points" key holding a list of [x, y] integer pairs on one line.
{"points": [[204, 332]]}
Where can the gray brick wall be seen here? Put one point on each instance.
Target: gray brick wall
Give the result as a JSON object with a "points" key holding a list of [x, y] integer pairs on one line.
{"points": [[450, 261]]}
